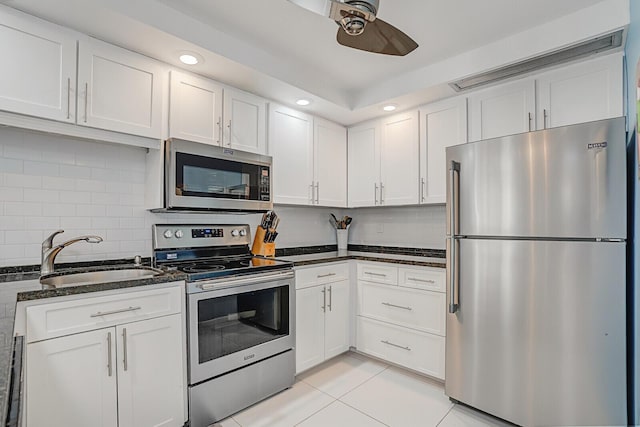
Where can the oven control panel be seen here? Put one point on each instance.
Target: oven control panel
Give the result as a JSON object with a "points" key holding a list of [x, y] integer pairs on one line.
{"points": [[169, 236]]}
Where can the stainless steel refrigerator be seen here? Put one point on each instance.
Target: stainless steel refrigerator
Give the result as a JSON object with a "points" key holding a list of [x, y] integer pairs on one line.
{"points": [[536, 271]]}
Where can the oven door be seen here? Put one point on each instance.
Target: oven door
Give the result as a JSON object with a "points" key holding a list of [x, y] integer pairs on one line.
{"points": [[206, 177], [239, 325]]}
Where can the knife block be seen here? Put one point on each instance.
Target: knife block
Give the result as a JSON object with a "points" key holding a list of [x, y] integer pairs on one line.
{"points": [[260, 247]]}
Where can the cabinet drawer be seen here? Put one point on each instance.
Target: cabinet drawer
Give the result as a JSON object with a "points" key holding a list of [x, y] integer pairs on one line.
{"points": [[71, 317], [329, 273], [378, 273], [420, 351], [431, 279], [424, 310]]}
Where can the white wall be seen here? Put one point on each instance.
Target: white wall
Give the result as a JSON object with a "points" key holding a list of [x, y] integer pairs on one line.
{"points": [[84, 187]]}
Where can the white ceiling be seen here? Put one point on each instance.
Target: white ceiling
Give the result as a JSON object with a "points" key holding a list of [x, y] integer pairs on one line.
{"points": [[281, 51]]}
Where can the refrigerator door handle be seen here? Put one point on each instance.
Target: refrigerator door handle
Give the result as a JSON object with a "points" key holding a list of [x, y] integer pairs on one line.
{"points": [[454, 168]]}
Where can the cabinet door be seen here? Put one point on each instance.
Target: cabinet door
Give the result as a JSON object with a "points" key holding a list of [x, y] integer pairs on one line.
{"points": [[38, 73], [584, 92], [151, 383], [119, 90], [291, 146], [442, 125], [363, 165], [503, 110], [245, 118], [310, 312], [195, 109], [71, 381], [330, 146], [399, 161], [336, 326]]}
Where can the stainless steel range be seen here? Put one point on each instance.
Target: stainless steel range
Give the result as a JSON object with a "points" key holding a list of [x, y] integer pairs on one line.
{"points": [[240, 312]]}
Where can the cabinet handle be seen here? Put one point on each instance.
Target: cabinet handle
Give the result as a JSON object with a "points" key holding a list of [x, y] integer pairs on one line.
{"points": [[125, 362], [86, 100], [326, 275], [121, 310], [219, 123], [422, 189], [375, 192], [317, 193], [530, 120], [324, 300], [375, 274], [68, 98], [312, 192], [395, 345], [545, 117], [229, 126], [388, 304], [330, 298], [109, 361], [381, 193], [415, 279]]}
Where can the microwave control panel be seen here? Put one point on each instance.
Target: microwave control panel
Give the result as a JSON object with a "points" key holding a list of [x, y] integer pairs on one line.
{"points": [[265, 184]]}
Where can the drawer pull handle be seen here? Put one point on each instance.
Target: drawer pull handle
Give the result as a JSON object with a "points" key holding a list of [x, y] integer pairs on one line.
{"points": [[320, 276], [415, 279], [375, 274], [109, 361], [122, 310], [397, 306], [395, 345], [324, 300], [125, 361]]}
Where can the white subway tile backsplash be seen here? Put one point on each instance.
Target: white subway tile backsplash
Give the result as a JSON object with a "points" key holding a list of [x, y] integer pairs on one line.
{"points": [[11, 222], [102, 174], [22, 181], [73, 171], [118, 211], [22, 208], [104, 198], [23, 236], [60, 209], [24, 152], [41, 168], [90, 210], [44, 196], [75, 197], [72, 222], [42, 223], [58, 183], [11, 194], [132, 223], [11, 165], [105, 222], [2, 241], [137, 247], [131, 200], [90, 185], [11, 252]]}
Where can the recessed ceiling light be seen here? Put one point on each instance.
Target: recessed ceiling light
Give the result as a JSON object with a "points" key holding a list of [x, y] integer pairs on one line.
{"points": [[303, 102], [389, 107], [190, 58]]}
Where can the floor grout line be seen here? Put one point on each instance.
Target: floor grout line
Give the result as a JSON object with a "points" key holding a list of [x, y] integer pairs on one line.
{"points": [[445, 415], [363, 413]]}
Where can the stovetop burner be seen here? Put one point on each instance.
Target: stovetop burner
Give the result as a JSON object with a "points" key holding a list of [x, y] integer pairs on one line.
{"points": [[215, 265]]}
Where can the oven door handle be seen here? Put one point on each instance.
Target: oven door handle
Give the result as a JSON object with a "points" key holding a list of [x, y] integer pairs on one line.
{"points": [[246, 280]]}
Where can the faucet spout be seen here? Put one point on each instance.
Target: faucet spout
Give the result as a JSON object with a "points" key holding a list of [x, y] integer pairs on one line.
{"points": [[49, 252]]}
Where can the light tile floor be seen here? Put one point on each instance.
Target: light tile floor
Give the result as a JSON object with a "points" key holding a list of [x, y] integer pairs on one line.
{"points": [[352, 390]]}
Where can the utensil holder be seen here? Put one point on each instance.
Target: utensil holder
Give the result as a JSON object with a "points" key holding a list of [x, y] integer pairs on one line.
{"points": [[342, 236], [260, 247]]}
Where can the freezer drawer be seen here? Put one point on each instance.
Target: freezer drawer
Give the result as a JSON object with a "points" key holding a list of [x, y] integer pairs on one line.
{"points": [[539, 335], [567, 182]]}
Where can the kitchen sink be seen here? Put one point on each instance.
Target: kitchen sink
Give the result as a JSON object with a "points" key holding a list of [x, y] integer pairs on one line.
{"points": [[99, 276]]}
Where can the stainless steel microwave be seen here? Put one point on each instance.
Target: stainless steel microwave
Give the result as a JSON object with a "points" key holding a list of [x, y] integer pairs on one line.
{"points": [[201, 177]]}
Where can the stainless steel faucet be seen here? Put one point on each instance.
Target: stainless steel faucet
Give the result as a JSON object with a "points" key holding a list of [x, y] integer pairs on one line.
{"points": [[49, 252]]}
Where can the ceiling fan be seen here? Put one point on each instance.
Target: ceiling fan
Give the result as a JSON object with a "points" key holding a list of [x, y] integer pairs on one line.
{"points": [[359, 27]]}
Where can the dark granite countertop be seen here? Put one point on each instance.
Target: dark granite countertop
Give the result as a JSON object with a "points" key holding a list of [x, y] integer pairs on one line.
{"points": [[19, 284]]}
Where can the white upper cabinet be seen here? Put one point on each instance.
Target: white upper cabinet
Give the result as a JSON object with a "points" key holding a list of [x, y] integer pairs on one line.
{"points": [[330, 149], [38, 73], [119, 90], [502, 110], [442, 125], [195, 109], [291, 146], [245, 118], [399, 165], [588, 91], [364, 164]]}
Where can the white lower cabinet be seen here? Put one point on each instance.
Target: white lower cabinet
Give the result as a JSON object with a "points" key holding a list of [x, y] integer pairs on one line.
{"points": [[126, 374], [322, 316], [401, 316]]}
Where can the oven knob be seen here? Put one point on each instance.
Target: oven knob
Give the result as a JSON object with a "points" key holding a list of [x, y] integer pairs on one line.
{"points": [[167, 234], [243, 233], [235, 233], [179, 234]]}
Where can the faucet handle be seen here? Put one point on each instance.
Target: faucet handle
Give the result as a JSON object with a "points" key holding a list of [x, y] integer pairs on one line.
{"points": [[48, 242]]}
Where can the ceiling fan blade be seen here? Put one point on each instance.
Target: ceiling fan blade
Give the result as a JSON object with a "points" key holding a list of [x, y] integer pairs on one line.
{"points": [[321, 7], [379, 37]]}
